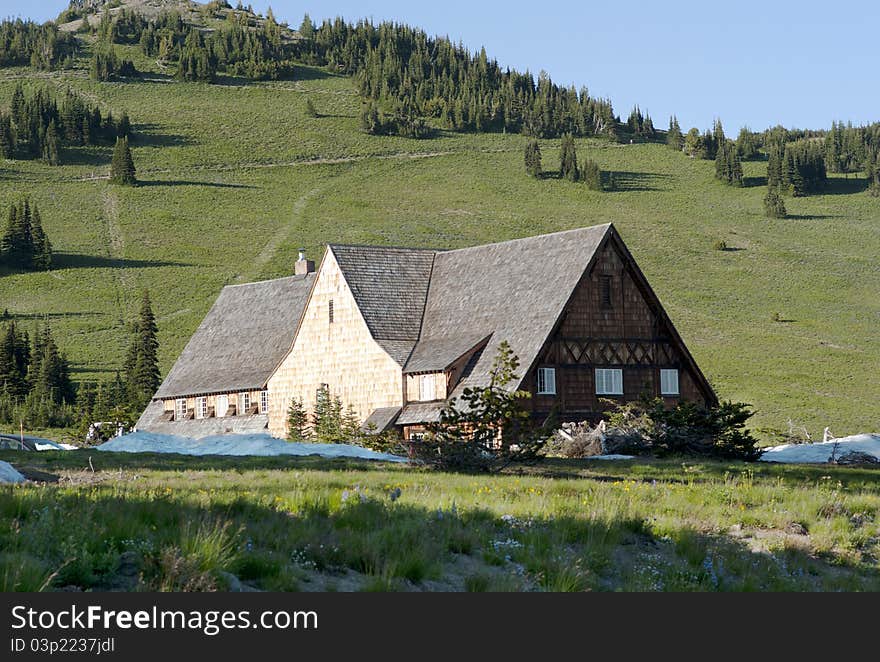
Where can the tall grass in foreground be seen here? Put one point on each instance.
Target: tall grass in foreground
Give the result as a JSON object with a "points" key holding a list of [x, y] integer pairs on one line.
{"points": [[661, 525]]}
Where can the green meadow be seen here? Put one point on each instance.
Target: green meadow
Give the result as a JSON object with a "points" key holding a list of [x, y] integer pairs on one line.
{"points": [[160, 522], [235, 177]]}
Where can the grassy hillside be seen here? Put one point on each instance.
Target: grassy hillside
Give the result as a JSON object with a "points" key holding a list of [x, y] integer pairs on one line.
{"points": [[235, 176], [141, 521]]}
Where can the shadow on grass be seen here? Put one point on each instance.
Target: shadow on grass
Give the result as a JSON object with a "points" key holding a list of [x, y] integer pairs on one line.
{"points": [[80, 261], [186, 182], [51, 316], [626, 181], [811, 217], [750, 182], [844, 186], [150, 135], [88, 156], [301, 72]]}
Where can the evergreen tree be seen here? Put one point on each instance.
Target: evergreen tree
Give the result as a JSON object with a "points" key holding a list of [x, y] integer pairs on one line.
{"points": [[747, 144], [23, 244], [592, 175], [307, 28], [774, 205], [568, 166], [728, 166], [297, 421], [7, 146], [41, 255], [673, 135], [142, 360], [533, 158], [49, 371], [694, 145], [50, 145], [122, 170]]}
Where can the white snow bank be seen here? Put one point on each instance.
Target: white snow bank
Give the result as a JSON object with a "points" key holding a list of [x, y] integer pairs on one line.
{"points": [[821, 452], [235, 444], [8, 474]]}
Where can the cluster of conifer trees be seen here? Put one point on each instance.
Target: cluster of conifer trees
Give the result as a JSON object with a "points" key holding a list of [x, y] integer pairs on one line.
{"points": [[639, 124], [23, 244], [705, 145], [25, 43], [35, 384], [410, 74], [106, 64], [588, 173], [36, 388], [728, 164], [235, 48], [37, 125], [853, 149], [330, 423], [796, 168]]}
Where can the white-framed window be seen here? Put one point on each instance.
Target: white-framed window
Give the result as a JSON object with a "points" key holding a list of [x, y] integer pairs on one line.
{"points": [[221, 407], [427, 390], [245, 401], [669, 381], [546, 381], [180, 409], [609, 381], [264, 402], [202, 407], [330, 311]]}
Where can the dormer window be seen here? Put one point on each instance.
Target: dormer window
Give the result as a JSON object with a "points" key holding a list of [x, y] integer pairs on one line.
{"points": [[427, 390]]}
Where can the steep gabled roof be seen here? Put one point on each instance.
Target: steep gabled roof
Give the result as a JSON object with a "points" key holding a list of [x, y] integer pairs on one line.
{"points": [[241, 340], [389, 286], [514, 291]]}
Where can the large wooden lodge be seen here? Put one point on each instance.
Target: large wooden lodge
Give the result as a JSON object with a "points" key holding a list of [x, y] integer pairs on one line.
{"points": [[396, 332]]}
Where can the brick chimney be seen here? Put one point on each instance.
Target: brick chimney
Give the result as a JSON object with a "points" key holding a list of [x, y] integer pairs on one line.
{"points": [[303, 266]]}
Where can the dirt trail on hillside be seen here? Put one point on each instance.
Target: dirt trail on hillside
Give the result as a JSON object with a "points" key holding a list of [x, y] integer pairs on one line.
{"points": [[278, 237], [300, 162], [115, 249]]}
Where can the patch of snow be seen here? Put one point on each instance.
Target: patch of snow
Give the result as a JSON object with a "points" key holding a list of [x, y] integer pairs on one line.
{"points": [[611, 456], [8, 474], [820, 452], [236, 444], [47, 445]]}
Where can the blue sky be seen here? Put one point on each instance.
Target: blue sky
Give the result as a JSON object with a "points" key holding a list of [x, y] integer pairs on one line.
{"points": [[760, 63]]}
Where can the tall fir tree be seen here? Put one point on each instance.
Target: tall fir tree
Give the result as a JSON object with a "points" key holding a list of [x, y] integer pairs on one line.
{"points": [[673, 135], [297, 421], [774, 205], [533, 158], [568, 166], [142, 358], [122, 170], [50, 145], [591, 175]]}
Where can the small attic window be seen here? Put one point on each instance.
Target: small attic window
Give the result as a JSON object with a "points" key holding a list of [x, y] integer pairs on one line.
{"points": [[330, 311], [605, 291]]}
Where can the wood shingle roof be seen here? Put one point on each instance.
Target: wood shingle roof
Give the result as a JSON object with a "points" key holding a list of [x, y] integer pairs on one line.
{"points": [[241, 340]]}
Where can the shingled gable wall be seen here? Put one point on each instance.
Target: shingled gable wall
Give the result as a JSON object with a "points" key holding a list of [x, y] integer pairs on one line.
{"points": [[342, 355], [629, 334]]}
